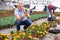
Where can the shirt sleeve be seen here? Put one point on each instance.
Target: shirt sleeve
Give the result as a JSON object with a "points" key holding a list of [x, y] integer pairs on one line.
{"points": [[16, 12]]}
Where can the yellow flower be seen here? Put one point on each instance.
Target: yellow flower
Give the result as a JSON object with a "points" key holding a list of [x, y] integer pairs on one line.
{"points": [[0, 36], [45, 26], [14, 34], [38, 31], [7, 35], [46, 32], [20, 34], [32, 27], [20, 31], [41, 35], [6, 39], [41, 32], [23, 33], [17, 36], [14, 38], [30, 36]]}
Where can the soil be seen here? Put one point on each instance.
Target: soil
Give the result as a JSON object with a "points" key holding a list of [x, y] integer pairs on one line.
{"points": [[8, 14]]}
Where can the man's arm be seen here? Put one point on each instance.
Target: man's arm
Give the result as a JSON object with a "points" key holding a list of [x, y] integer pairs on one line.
{"points": [[53, 11], [28, 15], [19, 18]]}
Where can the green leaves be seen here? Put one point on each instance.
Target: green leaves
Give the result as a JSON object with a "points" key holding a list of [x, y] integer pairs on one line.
{"points": [[10, 20], [6, 21], [37, 16]]}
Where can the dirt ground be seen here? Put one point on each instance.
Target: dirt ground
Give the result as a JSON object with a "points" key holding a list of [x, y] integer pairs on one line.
{"points": [[8, 14]]}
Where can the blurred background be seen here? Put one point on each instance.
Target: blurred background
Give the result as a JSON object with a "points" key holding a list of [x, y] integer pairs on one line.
{"points": [[9, 4]]}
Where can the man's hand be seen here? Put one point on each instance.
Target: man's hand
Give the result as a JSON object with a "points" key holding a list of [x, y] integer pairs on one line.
{"points": [[19, 18], [27, 14]]}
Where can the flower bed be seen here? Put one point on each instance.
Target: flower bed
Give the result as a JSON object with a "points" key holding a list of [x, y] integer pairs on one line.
{"points": [[9, 21], [31, 33], [52, 24], [57, 21]]}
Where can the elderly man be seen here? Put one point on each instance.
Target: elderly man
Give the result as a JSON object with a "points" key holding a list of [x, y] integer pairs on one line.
{"points": [[22, 17]]}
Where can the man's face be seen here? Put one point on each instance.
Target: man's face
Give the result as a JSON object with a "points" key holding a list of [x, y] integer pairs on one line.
{"points": [[20, 6]]}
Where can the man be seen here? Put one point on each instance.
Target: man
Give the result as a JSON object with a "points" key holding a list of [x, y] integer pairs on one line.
{"points": [[22, 17], [50, 12], [51, 8]]}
